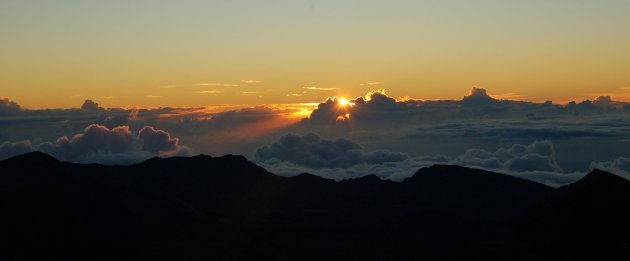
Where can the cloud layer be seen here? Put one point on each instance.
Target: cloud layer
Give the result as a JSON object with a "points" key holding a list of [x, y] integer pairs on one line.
{"points": [[343, 159], [312, 151], [412, 132], [99, 144]]}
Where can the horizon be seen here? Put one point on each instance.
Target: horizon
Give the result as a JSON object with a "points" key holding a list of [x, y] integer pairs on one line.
{"points": [[103, 101]]}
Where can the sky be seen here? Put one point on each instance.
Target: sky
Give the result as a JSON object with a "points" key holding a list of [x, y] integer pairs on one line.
{"points": [[55, 54], [340, 89]]}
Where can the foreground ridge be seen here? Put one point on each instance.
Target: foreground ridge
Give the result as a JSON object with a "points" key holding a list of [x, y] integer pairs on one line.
{"points": [[228, 207]]}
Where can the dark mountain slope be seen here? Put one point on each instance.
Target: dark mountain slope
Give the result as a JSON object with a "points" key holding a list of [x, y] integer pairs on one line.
{"points": [[229, 208]]}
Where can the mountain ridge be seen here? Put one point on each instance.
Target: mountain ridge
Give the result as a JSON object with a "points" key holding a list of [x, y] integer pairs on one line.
{"points": [[230, 208]]}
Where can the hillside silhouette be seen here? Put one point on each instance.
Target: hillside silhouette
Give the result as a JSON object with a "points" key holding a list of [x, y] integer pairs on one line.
{"points": [[227, 207]]}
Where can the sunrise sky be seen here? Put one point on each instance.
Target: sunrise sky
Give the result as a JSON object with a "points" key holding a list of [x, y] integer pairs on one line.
{"points": [[55, 54]]}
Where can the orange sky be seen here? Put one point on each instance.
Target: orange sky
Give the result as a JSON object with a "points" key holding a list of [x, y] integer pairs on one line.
{"points": [[55, 54]]}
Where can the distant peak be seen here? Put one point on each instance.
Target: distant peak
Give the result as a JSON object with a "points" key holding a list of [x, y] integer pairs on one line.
{"points": [[34, 157], [599, 180], [599, 176], [307, 177]]}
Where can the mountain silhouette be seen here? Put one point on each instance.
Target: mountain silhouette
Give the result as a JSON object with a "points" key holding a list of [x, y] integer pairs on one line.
{"points": [[227, 207]]}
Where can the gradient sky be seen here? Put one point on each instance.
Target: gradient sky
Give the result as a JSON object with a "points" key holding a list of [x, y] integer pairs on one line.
{"points": [[168, 53]]}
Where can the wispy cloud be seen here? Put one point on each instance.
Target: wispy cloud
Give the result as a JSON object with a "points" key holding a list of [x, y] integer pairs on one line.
{"points": [[216, 84], [108, 97], [153, 96], [315, 88], [294, 94], [248, 92], [209, 92], [251, 81], [510, 96], [370, 83], [167, 86]]}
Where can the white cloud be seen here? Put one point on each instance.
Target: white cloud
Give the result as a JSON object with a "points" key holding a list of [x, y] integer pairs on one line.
{"points": [[315, 88], [210, 92], [216, 84], [251, 81]]}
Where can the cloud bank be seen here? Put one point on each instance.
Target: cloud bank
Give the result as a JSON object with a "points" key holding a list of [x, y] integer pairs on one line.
{"points": [[99, 144], [469, 131], [344, 159], [312, 151]]}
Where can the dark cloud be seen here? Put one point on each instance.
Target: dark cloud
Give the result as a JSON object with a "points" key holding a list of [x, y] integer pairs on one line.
{"points": [[378, 108], [9, 107], [477, 97], [344, 159], [312, 151], [90, 105], [114, 120], [507, 129], [94, 139], [118, 145], [156, 141], [538, 156], [582, 131], [10, 149]]}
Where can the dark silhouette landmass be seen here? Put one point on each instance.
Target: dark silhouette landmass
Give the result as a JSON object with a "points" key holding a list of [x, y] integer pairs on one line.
{"points": [[229, 208]]}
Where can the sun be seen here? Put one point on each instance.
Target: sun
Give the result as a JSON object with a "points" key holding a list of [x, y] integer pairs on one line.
{"points": [[343, 102]]}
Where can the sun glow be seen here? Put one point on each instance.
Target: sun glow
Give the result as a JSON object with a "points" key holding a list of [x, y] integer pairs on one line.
{"points": [[344, 102]]}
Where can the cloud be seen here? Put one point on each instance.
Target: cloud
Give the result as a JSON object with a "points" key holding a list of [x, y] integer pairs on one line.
{"points": [[315, 88], [557, 128], [118, 145], [477, 93], [478, 98], [251, 81], [153, 96], [210, 92], [216, 84], [377, 108], [90, 105], [10, 149], [157, 141], [370, 83], [538, 156], [94, 139], [8, 107], [344, 159], [510, 96], [312, 151], [581, 131]]}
